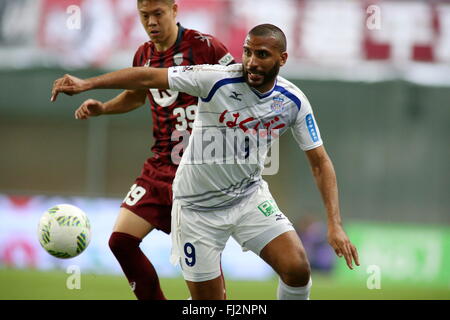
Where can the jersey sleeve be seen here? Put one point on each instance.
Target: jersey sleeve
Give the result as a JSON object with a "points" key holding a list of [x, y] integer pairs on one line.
{"points": [[193, 80], [305, 129]]}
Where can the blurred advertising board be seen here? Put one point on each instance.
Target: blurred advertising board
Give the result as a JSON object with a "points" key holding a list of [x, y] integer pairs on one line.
{"points": [[399, 254], [389, 253], [20, 248]]}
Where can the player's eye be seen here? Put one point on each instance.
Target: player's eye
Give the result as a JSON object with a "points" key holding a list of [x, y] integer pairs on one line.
{"points": [[263, 54]]}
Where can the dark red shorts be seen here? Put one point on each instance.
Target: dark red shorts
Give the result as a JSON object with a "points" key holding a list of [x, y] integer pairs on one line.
{"points": [[150, 197]]}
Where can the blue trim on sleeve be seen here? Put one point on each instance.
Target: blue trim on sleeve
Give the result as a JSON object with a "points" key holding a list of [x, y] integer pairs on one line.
{"points": [[290, 95], [311, 127], [221, 83]]}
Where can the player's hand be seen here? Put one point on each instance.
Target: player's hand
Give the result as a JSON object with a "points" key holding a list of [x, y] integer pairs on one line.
{"points": [[89, 108], [69, 85], [341, 244]]}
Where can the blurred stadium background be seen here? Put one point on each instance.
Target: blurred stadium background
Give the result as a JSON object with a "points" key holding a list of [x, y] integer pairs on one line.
{"points": [[376, 72]]}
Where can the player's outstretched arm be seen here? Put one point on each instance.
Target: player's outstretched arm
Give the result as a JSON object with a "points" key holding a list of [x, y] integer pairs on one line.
{"points": [[325, 177], [126, 101], [130, 78]]}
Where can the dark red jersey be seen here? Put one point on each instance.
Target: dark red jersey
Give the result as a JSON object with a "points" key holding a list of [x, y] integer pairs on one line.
{"points": [[174, 112]]}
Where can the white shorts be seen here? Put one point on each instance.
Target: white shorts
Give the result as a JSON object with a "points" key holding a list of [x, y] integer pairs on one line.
{"points": [[198, 238]]}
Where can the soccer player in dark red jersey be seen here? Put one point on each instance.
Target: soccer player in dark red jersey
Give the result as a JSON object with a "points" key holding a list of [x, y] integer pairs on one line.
{"points": [[148, 204]]}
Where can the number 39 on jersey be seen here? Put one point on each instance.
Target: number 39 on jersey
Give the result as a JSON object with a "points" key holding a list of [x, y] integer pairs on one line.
{"points": [[185, 117]]}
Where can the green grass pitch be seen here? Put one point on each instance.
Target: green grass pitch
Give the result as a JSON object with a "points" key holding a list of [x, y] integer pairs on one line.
{"points": [[37, 285]]}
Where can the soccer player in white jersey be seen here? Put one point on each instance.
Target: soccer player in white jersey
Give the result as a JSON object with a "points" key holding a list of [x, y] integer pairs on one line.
{"points": [[218, 190]]}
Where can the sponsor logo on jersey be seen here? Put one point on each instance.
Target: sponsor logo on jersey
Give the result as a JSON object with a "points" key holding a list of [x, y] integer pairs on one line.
{"points": [[226, 59], [243, 123], [187, 68], [277, 105], [311, 127], [178, 58], [235, 95], [268, 207]]}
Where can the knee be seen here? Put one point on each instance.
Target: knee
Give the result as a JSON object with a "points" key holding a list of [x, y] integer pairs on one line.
{"points": [[296, 272], [115, 243], [120, 243]]}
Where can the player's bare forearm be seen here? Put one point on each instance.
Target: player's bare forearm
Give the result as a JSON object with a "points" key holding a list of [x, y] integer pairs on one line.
{"points": [[325, 176], [137, 78], [126, 101]]}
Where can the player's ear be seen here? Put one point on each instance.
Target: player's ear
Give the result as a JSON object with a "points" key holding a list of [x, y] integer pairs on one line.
{"points": [[175, 10], [283, 58]]}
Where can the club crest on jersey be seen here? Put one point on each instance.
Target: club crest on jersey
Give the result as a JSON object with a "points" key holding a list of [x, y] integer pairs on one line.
{"points": [[178, 58], [277, 105]]}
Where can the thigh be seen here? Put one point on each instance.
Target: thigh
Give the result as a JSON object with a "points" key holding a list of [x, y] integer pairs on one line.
{"points": [[260, 221], [199, 239], [284, 251], [147, 200], [132, 224]]}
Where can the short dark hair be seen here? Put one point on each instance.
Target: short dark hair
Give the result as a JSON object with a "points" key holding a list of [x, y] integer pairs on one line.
{"points": [[168, 2], [269, 30]]}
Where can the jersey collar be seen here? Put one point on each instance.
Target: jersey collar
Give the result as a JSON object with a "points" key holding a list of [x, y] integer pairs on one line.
{"points": [[266, 94], [180, 34]]}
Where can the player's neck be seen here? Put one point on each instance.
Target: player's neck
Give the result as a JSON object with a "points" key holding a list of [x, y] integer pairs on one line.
{"points": [[163, 46], [265, 88]]}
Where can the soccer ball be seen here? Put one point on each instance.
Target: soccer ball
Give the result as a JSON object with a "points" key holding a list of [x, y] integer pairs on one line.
{"points": [[64, 231]]}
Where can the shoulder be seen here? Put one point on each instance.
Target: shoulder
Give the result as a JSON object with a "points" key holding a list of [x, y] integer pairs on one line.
{"points": [[230, 70], [141, 53], [203, 40], [290, 87], [203, 80], [213, 73], [207, 48], [293, 92], [144, 47], [209, 74]]}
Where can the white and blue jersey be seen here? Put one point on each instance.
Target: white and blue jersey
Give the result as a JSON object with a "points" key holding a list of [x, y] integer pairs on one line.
{"points": [[233, 130]]}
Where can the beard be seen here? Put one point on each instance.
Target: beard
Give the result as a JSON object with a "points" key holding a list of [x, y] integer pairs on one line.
{"points": [[266, 77]]}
